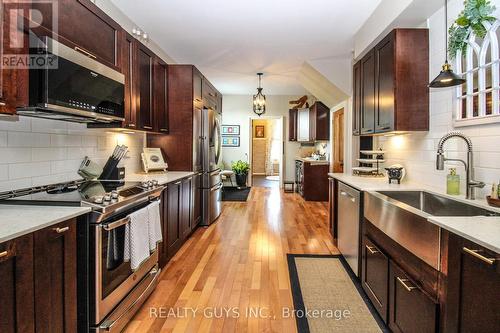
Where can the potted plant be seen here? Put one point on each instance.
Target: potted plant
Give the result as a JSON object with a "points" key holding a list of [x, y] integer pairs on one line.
{"points": [[241, 169]]}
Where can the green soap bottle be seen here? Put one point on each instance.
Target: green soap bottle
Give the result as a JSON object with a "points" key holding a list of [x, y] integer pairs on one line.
{"points": [[453, 182]]}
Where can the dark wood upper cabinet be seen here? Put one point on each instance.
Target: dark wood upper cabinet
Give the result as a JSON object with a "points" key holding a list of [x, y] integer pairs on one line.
{"points": [[55, 278], [93, 32], [13, 81], [375, 274], [186, 98], [367, 116], [292, 125], [16, 289], [391, 85], [145, 63], [129, 70], [356, 99], [411, 308], [319, 118], [160, 93], [473, 293]]}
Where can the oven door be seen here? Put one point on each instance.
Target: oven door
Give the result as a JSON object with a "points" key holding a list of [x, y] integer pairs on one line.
{"points": [[114, 278]]}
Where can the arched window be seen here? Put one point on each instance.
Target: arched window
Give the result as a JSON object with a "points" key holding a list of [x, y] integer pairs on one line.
{"points": [[478, 100]]}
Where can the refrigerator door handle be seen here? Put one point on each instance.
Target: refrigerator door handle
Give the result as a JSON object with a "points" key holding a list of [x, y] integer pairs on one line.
{"points": [[216, 188]]}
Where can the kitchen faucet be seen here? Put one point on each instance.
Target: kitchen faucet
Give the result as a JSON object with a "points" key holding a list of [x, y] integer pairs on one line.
{"points": [[471, 184]]}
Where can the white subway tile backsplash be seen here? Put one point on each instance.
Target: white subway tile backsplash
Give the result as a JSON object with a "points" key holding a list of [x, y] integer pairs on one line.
{"points": [[20, 170], [24, 139], [15, 155], [41, 151], [49, 154]]}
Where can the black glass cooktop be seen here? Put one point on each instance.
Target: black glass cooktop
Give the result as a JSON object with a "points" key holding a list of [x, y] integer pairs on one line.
{"points": [[74, 193]]}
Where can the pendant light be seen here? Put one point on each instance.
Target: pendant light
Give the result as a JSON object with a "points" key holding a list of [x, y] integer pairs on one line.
{"points": [[259, 100], [447, 78]]}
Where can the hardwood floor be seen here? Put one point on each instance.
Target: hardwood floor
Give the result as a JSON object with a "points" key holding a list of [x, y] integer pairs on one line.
{"points": [[237, 265]]}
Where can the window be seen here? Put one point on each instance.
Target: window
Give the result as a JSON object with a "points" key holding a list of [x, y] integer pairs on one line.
{"points": [[478, 100]]}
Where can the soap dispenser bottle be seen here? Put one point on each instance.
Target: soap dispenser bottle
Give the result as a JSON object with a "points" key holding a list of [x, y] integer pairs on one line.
{"points": [[453, 182]]}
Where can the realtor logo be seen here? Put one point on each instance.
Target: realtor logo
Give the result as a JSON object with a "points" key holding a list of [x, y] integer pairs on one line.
{"points": [[21, 24]]}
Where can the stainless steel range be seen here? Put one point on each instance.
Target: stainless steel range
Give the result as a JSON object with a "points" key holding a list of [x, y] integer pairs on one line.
{"points": [[109, 291]]}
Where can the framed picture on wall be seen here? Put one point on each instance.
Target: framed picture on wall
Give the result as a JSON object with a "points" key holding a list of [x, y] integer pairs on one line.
{"points": [[230, 141], [259, 131], [230, 129]]}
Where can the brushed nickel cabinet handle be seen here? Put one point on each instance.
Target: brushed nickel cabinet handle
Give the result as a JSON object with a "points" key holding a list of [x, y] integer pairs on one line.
{"points": [[131, 125], [475, 253], [2, 103], [61, 230], [147, 127], [4, 254], [87, 53], [403, 283], [371, 249], [163, 130]]}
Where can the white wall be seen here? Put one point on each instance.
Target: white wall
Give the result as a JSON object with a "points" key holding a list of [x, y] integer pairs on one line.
{"points": [[417, 152], [237, 110], [40, 151]]}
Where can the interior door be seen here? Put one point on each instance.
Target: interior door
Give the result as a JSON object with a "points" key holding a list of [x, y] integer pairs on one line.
{"points": [[338, 141]]}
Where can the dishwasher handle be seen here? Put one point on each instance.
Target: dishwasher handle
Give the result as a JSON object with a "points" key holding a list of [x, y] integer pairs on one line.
{"points": [[345, 194]]}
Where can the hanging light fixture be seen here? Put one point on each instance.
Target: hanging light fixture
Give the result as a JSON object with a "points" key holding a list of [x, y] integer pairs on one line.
{"points": [[259, 100], [447, 78]]}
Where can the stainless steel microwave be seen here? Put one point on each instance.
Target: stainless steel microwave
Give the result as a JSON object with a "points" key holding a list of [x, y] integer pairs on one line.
{"points": [[65, 84]]}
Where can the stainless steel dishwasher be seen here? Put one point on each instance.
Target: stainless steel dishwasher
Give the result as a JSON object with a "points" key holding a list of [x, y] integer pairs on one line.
{"points": [[348, 224]]}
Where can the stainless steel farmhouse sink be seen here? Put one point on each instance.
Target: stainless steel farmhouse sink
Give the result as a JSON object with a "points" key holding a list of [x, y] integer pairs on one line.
{"points": [[437, 205], [403, 216]]}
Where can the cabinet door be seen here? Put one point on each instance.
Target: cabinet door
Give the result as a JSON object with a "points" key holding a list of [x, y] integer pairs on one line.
{"points": [[145, 87], [197, 208], [173, 218], [219, 102], [292, 125], [13, 79], [128, 69], [185, 213], [55, 278], [210, 95], [411, 309], [160, 96], [473, 288], [80, 21], [375, 276], [303, 125], [384, 97], [321, 130], [163, 247], [16, 289], [357, 99], [197, 89], [368, 94]]}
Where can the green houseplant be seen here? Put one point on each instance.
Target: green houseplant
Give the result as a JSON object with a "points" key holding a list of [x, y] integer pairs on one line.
{"points": [[470, 20], [240, 169]]}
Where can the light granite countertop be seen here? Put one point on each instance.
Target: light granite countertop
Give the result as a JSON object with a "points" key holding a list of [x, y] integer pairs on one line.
{"points": [[482, 230], [162, 177], [19, 220]]}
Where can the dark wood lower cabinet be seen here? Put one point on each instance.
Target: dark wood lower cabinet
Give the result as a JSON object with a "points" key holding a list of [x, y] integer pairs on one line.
{"points": [[16, 286], [375, 276], [185, 207], [55, 278], [172, 206], [473, 295], [196, 192], [411, 309]]}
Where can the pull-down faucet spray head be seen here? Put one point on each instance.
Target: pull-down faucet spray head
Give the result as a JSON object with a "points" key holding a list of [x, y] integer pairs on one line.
{"points": [[440, 160]]}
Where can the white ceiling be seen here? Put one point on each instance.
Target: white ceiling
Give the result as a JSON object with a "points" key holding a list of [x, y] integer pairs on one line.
{"points": [[231, 40]]}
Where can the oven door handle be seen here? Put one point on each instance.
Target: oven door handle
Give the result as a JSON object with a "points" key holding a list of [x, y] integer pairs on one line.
{"points": [[116, 224]]}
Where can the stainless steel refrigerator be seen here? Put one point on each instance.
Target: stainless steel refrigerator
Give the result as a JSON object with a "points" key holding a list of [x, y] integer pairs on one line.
{"points": [[210, 150]]}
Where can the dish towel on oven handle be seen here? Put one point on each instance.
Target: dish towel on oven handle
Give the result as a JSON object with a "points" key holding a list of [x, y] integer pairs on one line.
{"points": [[136, 247], [154, 225]]}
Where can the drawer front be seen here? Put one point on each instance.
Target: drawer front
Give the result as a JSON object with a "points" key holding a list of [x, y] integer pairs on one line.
{"points": [[411, 309], [375, 276]]}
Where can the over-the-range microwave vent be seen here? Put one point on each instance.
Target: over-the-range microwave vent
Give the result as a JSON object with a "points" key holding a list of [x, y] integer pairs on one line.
{"points": [[76, 89]]}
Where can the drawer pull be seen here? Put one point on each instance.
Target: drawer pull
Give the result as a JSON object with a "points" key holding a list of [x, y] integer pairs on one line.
{"points": [[475, 253], [147, 127], [61, 230], [371, 249], [131, 125], [403, 283], [87, 53], [4, 254]]}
